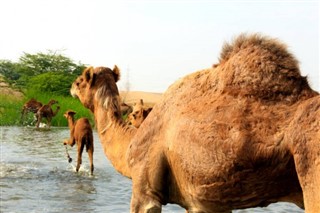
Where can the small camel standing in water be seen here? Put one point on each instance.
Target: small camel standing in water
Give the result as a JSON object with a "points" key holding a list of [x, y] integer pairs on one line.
{"points": [[80, 133], [46, 112]]}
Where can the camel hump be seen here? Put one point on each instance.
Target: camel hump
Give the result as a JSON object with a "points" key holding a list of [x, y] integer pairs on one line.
{"points": [[261, 67]]}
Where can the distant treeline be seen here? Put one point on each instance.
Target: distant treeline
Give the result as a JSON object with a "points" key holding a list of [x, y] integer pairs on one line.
{"points": [[49, 72]]}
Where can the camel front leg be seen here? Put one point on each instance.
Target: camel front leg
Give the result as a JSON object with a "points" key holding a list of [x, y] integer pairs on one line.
{"points": [[304, 140], [147, 188], [39, 118], [309, 177]]}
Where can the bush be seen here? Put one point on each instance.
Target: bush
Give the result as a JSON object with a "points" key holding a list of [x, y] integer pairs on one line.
{"points": [[51, 82]]}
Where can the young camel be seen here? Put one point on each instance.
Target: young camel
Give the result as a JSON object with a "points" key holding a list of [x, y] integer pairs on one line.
{"points": [[46, 112], [242, 134], [138, 114], [80, 133], [30, 106]]}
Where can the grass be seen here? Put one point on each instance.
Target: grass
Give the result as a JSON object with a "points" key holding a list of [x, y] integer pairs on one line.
{"points": [[10, 108]]}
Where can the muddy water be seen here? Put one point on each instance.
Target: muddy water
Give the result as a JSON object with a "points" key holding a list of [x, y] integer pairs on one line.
{"points": [[36, 177]]}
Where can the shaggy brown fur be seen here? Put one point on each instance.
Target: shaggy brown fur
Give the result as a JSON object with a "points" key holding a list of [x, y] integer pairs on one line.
{"points": [[138, 114], [80, 133], [242, 134], [30, 106], [46, 112]]}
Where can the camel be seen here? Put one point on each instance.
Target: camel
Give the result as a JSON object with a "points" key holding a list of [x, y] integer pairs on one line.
{"points": [[46, 112], [244, 133], [80, 133], [30, 106], [138, 114]]}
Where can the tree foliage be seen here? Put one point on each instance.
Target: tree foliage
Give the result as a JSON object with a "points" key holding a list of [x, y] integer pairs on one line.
{"points": [[9, 70], [39, 63], [51, 82], [46, 72]]}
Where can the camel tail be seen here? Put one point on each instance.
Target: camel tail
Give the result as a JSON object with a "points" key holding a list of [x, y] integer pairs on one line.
{"points": [[88, 141]]}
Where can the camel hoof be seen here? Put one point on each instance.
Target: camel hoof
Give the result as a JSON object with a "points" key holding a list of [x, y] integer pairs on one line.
{"points": [[69, 160]]}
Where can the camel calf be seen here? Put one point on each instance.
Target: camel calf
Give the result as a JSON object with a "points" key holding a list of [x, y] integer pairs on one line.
{"points": [[138, 114], [80, 133]]}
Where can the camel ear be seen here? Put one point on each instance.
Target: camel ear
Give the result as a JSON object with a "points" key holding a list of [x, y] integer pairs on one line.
{"points": [[141, 101], [116, 73], [71, 113], [90, 76]]}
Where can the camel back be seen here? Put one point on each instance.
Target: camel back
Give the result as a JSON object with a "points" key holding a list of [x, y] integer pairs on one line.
{"points": [[262, 68]]}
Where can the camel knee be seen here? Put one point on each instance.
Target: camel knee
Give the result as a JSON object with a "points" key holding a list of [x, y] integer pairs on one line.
{"points": [[149, 208], [153, 209], [142, 203]]}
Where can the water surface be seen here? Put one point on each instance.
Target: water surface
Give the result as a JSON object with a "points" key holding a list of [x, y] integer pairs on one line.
{"points": [[35, 176]]}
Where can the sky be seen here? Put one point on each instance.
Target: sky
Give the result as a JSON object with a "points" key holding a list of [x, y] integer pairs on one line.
{"points": [[154, 43]]}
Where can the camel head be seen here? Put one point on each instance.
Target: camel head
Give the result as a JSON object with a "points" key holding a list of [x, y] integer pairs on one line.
{"points": [[96, 86], [138, 114], [69, 113]]}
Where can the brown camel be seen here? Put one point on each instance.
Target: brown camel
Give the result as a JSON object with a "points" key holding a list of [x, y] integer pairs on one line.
{"points": [[80, 133], [242, 134], [46, 112], [138, 114], [30, 106]]}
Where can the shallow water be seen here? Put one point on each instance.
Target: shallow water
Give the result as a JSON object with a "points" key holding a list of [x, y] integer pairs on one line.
{"points": [[35, 176]]}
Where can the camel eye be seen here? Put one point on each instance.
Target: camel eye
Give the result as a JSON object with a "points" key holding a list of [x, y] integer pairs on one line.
{"points": [[77, 83]]}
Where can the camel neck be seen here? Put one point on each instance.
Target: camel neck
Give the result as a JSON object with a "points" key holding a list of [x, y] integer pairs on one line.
{"points": [[70, 122], [115, 137]]}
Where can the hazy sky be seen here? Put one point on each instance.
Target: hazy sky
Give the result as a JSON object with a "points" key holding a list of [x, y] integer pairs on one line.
{"points": [[155, 43]]}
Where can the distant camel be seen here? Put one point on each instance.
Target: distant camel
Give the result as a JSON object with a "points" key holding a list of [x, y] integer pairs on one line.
{"points": [[30, 106], [80, 133], [138, 114], [46, 112], [242, 134]]}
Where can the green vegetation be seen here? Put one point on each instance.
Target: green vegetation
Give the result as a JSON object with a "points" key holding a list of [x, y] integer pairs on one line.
{"points": [[43, 77], [10, 110]]}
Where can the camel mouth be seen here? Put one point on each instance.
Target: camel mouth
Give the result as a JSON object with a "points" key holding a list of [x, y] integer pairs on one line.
{"points": [[73, 94]]}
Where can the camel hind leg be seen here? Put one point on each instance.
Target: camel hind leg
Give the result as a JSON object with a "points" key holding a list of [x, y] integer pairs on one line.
{"points": [[90, 155], [80, 150], [90, 149], [49, 121]]}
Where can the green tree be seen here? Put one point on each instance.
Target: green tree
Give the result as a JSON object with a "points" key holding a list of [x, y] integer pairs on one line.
{"points": [[9, 70], [35, 64], [51, 82], [42, 72]]}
